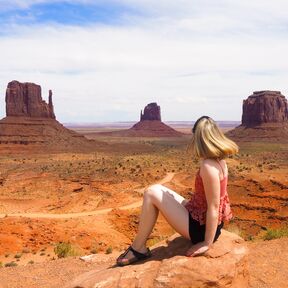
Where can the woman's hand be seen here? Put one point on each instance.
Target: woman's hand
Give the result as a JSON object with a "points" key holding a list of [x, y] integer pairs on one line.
{"points": [[197, 249]]}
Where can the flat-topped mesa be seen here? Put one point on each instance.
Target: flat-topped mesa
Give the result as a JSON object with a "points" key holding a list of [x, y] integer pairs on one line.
{"points": [[151, 112], [264, 107], [24, 99]]}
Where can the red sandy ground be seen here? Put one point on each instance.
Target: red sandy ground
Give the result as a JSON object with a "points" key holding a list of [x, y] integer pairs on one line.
{"points": [[64, 197]]}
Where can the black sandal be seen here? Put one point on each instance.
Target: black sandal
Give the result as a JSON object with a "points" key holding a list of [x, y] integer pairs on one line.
{"points": [[137, 256]]}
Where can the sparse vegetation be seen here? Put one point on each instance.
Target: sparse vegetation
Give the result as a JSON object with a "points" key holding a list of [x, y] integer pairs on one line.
{"points": [[11, 264], [18, 255], [93, 251], [275, 233], [65, 249], [109, 250]]}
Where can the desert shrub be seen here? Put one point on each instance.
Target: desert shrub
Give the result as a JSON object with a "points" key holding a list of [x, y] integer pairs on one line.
{"points": [[31, 262], [109, 250], [10, 264], [94, 251], [64, 249], [275, 233], [1, 264], [18, 255]]}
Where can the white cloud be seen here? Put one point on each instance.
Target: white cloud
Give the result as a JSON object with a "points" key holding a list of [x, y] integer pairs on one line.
{"points": [[204, 60]]}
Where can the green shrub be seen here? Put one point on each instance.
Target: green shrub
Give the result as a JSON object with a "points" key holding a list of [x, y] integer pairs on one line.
{"points": [[64, 249], [11, 264], [94, 251], [276, 233], [109, 250], [18, 255]]}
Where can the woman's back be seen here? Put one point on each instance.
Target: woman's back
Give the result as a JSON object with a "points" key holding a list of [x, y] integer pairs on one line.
{"points": [[197, 206]]}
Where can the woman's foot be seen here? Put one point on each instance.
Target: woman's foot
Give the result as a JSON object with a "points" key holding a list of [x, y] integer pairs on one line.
{"points": [[131, 256]]}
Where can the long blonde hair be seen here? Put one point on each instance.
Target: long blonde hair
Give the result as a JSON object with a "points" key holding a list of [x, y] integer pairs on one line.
{"points": [[209, 141]]}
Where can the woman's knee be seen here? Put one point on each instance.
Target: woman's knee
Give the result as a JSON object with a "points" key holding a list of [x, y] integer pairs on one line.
{"points": [[153, 191]]}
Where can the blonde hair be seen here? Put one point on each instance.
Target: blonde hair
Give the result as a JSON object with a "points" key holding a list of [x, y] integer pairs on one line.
{"points": [[209, 141]]}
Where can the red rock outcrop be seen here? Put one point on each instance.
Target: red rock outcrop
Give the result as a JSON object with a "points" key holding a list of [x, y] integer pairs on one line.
{"points": [[30, 120], [264, 117], [264, 107], [24, 99], [150, 125], [151, 112], [224, 265]]}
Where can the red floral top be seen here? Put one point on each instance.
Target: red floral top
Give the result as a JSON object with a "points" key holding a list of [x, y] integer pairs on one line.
{"points": [[197, 206]]}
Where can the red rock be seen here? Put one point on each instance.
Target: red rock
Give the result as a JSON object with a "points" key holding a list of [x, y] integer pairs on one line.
{"points": [[24, 99], [268, 263], [31, 122], [151, 112], [264, 118], [264, 107], [150, 125], [224, 265]]}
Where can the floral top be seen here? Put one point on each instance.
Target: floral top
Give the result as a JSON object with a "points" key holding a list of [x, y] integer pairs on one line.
{"points": [[197, 206]]}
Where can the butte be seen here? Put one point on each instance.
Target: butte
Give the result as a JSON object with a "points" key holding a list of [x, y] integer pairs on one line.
{"points": [[30, 123], [264, 117], [150, 125]]}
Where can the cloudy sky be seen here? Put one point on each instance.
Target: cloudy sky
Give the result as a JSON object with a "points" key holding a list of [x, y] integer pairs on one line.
{"points": [[105, 60]]}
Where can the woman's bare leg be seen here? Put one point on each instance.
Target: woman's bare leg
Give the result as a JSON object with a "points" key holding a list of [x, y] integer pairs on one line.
{"points": [[160, 198]]}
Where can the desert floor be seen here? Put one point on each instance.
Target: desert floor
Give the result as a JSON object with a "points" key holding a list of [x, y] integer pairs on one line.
{"points": [[93, 200]]}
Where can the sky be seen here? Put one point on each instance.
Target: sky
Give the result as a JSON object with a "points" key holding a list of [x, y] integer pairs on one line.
{"points": [[105, 60]]}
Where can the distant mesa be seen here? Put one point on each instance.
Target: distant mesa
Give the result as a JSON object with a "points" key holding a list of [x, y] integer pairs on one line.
{"points": [[30, 120], [24, 99], [264, 107], [265, 116], [150, 125], [151, 112]]}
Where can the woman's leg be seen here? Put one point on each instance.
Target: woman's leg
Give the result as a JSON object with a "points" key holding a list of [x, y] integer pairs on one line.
{"points": [[160, 198]]}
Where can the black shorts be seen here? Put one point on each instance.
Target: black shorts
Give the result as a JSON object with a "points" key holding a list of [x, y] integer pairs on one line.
{"points": [[197, 231]]}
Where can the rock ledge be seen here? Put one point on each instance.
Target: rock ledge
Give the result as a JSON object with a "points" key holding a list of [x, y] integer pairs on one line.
{"points": [[224, 265]]}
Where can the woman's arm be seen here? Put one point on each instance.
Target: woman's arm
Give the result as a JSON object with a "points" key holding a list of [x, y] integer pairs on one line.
{"points": [[211, 182], [210, 177]]}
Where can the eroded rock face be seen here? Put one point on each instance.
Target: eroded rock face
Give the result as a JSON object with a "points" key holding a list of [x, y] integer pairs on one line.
{"points": [[224, 265], [24, 99], [151, 112], [264, 107]]}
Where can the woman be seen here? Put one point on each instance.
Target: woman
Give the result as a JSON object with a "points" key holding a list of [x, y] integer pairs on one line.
{"points": [[200, 219]]}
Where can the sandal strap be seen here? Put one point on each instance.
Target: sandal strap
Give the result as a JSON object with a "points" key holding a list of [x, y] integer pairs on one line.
{"points": [[139, 255], [125, 253]]}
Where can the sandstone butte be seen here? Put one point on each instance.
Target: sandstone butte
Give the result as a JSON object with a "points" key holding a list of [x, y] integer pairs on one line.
{"points": [[30, 121], [24, 99], [150, 125], [264, 116]]}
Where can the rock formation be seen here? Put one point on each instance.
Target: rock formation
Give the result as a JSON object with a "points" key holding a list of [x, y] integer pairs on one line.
{"points": [[264, 117], [24, 99], [151, 112], [30, 120], [224, 265], [150, 125], [264, 107]]}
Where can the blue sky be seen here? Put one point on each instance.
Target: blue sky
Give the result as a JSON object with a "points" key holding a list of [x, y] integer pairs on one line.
{"points": [[66, 13], [105, 60]]}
